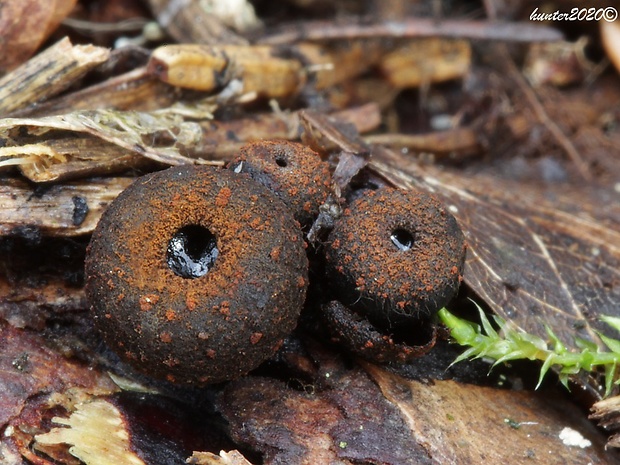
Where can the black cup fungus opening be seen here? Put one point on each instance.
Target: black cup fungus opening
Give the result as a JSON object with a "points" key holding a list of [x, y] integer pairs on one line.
{"points": [[192, 251], [293, 172], [281, 162], [402, 239], [193, 221]]}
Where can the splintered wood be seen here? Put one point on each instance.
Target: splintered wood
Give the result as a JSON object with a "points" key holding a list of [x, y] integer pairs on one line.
{"points": [[97, 435], [206, 22], [606, 413], [67, 209], [48, 73]]}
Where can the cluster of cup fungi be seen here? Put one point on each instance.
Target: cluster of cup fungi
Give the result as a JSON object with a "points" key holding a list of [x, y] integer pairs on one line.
{"points": [[197, 274]]}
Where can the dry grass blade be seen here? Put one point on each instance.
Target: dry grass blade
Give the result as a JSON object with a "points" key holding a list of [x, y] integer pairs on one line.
{"points": [[162, 137], [413, 27], [442, 144]]}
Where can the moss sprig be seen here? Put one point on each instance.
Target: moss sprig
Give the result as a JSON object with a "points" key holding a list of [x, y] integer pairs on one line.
{"points": [[511, 343]]}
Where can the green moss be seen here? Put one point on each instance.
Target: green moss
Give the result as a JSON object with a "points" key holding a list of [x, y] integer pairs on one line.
{"points": [[510, 343]]}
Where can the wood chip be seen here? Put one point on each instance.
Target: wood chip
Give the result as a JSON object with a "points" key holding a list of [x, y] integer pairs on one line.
{"points": [[97, 435], [234, 457], [67, 210], [48, 73]]}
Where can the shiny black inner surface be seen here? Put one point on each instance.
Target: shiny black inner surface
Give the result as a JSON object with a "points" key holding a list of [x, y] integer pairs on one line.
{"points": [[192, 251], [402, 239]]}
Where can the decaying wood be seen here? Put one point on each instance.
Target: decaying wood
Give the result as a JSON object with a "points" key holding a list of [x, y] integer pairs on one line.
{"points": [[121, 139], [48, 73], [234, 457], [96, 432], [350, 423], [54, 210], [33, 307], [66, 159], [455, 422], [25, 25], [206, 22], [285, 71], [136, 90], [31, 368], [206, 68], [606, 413], [324, 134], [160, 137], [420, 62], [222, 139], [371, 415], [68, 209], [263, 70]]}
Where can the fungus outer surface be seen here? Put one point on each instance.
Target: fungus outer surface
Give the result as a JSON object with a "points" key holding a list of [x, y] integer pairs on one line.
{"points": [[395, 254], [196, 329]]}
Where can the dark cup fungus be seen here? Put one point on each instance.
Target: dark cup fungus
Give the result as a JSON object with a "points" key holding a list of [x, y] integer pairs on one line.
{"points": [[362, 338], [294, 172], [395, 256], [196, 275]]}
